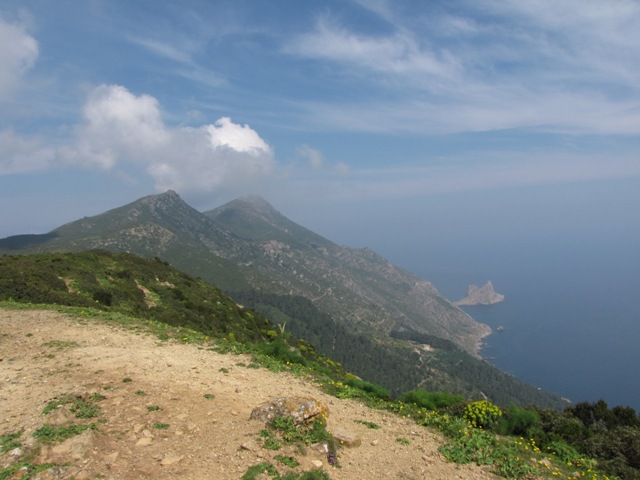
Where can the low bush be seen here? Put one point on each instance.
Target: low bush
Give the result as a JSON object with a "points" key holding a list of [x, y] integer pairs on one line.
{"points": [[518, 421], [430, 400]]}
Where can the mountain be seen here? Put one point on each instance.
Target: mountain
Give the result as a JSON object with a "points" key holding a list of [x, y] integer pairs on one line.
{"points": [[381, 322], [357, 285]]}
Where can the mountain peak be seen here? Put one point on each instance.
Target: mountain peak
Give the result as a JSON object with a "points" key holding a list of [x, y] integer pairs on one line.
{"points": [[258, 203], [169, 197]]}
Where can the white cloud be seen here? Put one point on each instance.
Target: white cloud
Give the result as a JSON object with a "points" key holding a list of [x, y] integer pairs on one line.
{"points": [[213, 158], [18, 53], [123, 132], [118, 127], [241, 138], [398, 54]]}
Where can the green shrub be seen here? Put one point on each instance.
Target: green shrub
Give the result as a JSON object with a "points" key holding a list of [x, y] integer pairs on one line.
{"points": [[282, 351], [430, 400], [370, 388], [518, 421]]}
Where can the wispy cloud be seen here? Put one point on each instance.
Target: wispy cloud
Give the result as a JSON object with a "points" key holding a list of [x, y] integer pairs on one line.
{"points": [[538, 64], [499, 172], [399, 54], [18, 53], [164, 49], [182, 55]]}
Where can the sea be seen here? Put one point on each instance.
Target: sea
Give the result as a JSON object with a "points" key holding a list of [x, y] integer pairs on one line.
{"points": [[569, 324]]}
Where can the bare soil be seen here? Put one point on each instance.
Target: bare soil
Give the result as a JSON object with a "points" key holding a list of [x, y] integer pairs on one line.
{"points": [[45, 355]]}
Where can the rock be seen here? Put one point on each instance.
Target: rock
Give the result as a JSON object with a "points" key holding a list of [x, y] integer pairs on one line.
{"points": [[60, 416], [16, 452], [316, 463], [111, 458], [144, 442], [346, 439], [75, 446], [303, 410], [484, 295], [171, 458]]}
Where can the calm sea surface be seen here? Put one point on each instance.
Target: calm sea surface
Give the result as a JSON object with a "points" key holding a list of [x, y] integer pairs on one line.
{"points": [[569, 326]]}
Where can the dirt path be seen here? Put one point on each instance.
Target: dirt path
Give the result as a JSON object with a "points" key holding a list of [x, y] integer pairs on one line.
{"points": [[45, 355]]}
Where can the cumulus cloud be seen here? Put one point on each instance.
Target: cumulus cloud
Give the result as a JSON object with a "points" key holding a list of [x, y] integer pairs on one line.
{"points": [[118, 127], [241, 138], [18, 53], [120, 130], [212, 157]]}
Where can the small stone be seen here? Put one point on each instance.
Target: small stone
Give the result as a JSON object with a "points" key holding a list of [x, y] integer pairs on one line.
{"points": [[347, 439], [316, 463], [144, 442], [111, 458], [171, 458], [234, 413], [374, 443]]}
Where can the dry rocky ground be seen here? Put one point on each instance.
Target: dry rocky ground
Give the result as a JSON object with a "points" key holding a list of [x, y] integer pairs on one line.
{"points": [[205, 400]]}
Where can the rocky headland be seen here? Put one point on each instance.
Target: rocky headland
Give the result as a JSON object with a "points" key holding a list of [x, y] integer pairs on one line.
{"points": [[484, 295]]}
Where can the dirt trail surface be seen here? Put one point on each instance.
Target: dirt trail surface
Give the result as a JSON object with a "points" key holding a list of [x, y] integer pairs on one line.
{"points": [[184, 413]]}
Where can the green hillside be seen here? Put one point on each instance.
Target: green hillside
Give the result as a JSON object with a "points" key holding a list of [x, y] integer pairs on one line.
{"points": [[131, 285]]}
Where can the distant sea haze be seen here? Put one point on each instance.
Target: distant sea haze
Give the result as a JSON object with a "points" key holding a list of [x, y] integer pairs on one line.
{"points": [[570, 327]]}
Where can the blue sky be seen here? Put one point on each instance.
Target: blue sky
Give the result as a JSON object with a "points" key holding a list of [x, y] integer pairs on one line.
{"points": [[462, 121]]}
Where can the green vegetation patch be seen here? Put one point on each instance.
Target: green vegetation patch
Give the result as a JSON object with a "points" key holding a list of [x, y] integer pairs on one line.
{"points": [[370, 425], [430, 400], [49, 433], [78, 405], [288, 461], [61, 344], [10, 441], [266, 470]]}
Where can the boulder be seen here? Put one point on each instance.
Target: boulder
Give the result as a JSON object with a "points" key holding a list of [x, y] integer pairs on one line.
{"points": [[302, 410]]}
